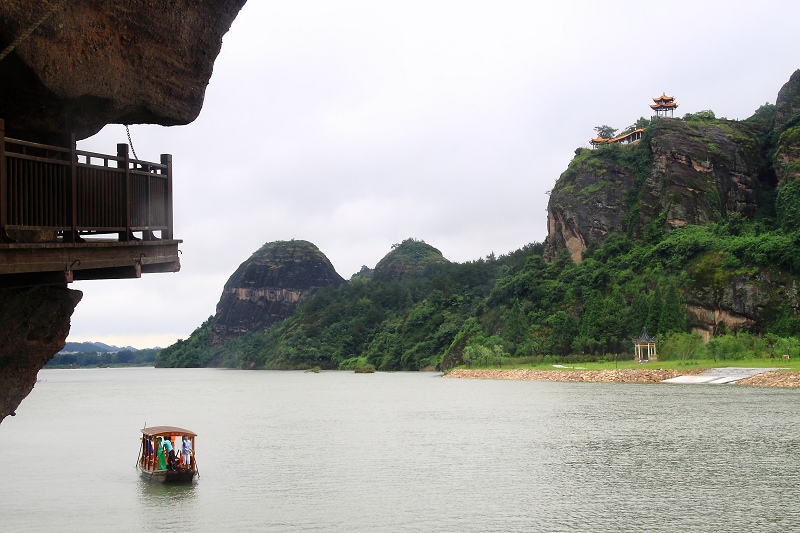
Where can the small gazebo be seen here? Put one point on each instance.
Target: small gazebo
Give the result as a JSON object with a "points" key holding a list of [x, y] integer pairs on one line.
{"points": [[664, 104], [645, 347]]}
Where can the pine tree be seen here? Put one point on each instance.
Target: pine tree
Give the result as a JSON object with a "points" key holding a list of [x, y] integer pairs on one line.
{"points": [[673, 312], [637, 315], [654, 311]]}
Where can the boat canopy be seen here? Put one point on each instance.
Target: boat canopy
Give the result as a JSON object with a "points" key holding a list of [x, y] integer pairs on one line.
{"points": [[167, 431]]}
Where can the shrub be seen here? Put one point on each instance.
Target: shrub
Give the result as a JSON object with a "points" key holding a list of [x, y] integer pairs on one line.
{"points": [[681, 346]]}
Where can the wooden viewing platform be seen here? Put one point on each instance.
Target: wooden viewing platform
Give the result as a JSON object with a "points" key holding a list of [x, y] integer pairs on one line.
{"points": [[55, 202], [626, 138]]}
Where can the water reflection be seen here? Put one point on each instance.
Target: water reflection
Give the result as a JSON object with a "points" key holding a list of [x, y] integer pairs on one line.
{"points": [[168, 507], [153, 494]]}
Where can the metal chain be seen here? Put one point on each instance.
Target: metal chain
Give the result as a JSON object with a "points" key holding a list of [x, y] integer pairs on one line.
{"points": [[24, 35], [130, 142]]}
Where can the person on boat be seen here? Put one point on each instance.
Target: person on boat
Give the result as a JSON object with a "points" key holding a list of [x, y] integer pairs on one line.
{"points": [[186, 452], [161, 455], [147, 448], [170, 451]]}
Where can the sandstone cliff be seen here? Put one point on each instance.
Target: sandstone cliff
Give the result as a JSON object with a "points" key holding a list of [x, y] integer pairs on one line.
{"points": [[95, 62], [688, 173], [268, 286], [73, 67], [695, 171], [786, 131], [35, 327]]}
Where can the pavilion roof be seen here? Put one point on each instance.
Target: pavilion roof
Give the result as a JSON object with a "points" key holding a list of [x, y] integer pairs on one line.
{"points": [[664, 97], [644, 338], [601, 140]]}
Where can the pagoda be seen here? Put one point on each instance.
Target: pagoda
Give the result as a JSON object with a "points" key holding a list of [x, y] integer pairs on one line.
{"points": [[645, 347], [664, 104]]}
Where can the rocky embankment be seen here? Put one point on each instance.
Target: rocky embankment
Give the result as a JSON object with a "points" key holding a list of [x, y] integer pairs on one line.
{"points": [[644, 375], [590, 376], [773, 379]]}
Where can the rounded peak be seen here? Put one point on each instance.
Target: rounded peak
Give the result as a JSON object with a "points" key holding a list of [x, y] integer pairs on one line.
{"points": [[290, 264], [407, 259], [267, 287], [286, 248]]}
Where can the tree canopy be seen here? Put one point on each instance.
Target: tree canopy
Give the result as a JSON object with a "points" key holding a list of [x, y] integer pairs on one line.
{"points": [[606, 132]]}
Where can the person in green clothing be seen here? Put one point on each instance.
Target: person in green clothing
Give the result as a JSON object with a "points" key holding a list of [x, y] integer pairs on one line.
{"points": [[161, 455], [170, 453]]}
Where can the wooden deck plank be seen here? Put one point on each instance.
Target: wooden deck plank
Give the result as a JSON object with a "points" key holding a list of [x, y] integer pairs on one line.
{"points": [[96, 259]]}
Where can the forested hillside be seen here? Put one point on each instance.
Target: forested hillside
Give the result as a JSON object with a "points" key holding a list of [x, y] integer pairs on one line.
{"points": [[692, 233], [515, 305]]}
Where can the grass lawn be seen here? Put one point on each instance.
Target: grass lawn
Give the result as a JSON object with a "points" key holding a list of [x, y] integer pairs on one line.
{"points": [[792, 366]]}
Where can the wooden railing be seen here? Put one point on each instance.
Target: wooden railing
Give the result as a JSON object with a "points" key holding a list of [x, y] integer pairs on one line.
{"points": [[73, 192]]}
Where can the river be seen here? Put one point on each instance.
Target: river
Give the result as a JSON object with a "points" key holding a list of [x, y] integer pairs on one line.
{"points": [[338, 451]]}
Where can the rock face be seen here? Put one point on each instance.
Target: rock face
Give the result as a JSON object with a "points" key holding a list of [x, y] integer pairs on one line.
{"points": [[787, 105], [786, 160], [586, 204], [35, 326], [407, 259], [696, 171], [688, 173], [701, 172], [268, 286], [95, 62]]}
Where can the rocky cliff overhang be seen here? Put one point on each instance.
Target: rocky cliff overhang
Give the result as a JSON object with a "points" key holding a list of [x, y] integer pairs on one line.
{"points": [[73, 67], [96, 62], [35, 325]]}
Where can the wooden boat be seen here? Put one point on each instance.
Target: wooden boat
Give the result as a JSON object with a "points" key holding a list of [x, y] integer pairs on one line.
{"points": [[154, 459]]}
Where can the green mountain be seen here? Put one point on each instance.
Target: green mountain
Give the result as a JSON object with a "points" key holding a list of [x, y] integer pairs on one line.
{"points": [[693, 233], [265, 289]]}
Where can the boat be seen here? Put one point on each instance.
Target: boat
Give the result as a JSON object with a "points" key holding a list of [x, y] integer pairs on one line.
{"points": [[156, 464]]}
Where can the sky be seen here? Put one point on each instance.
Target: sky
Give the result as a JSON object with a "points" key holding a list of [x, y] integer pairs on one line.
{"points": [[357, 124]]}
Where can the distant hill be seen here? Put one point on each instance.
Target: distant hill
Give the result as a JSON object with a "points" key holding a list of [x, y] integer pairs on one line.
{"points": [[99, 354], [93, 347]]}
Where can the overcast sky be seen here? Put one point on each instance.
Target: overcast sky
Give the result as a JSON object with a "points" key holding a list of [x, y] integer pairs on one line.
{"points": [[357, 124]]}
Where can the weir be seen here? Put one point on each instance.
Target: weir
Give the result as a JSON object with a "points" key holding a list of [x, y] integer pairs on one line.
{"points": [[69, 214]]}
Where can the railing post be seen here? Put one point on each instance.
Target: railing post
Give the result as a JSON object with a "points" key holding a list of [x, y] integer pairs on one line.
{"points": [[73, 186], [166, 159], [122, 151], [3, 183]]}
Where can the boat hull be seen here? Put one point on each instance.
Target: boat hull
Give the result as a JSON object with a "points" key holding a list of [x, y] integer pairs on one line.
{"points": [[168, 476]]}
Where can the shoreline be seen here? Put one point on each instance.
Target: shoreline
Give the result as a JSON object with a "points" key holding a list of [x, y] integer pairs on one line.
{"points": [[766, 379]]}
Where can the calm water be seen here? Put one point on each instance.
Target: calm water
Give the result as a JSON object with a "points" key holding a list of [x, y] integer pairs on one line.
{"points": [[335, 451]]}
